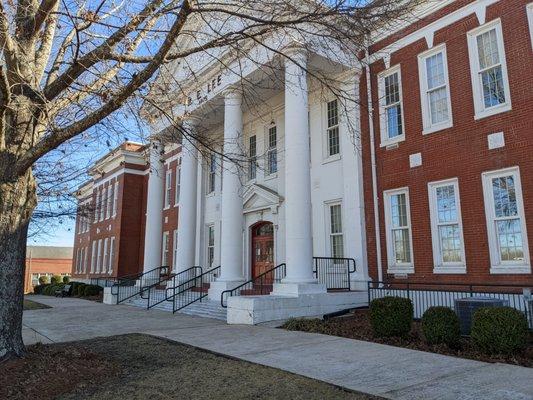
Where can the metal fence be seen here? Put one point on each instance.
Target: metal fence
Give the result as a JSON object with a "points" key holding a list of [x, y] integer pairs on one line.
{"points": [[425, 295], [334, 272], [103, 281]]}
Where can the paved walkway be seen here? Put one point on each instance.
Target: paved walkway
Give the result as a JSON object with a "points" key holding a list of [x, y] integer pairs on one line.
{"points": [[377, 369]]}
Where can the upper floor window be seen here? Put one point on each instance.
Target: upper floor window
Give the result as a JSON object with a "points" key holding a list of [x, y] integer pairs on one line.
{"points": [[96, 205], [435, 90], [529, 10], [333, 128], [168, 187], [211, 177], [272, 152], [252, 154], [178, 183], [391, 112], [489, 70], [109, 199], [335, 231], [446, 227], [506, 225], [101, 205], [398, 224], [115, 199]]}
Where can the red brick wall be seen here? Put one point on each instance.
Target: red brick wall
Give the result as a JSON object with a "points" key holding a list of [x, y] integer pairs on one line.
{"points": [[460, 151], [56, 266]]}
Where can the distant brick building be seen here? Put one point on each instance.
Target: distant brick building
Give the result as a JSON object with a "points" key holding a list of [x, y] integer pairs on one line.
{"points": [[46, 261]]}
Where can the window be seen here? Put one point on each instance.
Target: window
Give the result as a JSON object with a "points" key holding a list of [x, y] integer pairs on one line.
{"points": [[272, 153], [435, 90], [115, 199], [391, 113], [164, 256], [99, 259], [335, 231], [212, 173], [168, 187], [105, 257], [446, 227], [333, 128], [489, 70], [77, 260], [210, 246], [252, 153], [178, 183], [529, 10], [175, 253], [111, 261], [96, 205], [101, 205], [93, 257], [506, 225], [85, 259], [109, 201], [398, 224]]}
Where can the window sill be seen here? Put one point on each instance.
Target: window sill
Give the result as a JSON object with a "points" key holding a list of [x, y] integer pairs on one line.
{"points": [[493, 111], [271, 176], [437, 128], [397, 269], [456, 269], [390, 142], [510, 269], [331, 159]]}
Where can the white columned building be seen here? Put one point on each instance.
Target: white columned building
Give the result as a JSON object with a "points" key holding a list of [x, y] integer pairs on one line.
{"points": [[188, 198], [154, 208]]}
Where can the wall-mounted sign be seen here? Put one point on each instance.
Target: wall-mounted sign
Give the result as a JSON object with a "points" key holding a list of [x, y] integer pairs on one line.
{"points": [[203, 94]]}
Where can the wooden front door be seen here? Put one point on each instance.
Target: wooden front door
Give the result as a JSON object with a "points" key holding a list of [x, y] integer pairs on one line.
{"points": [[262, 248]]}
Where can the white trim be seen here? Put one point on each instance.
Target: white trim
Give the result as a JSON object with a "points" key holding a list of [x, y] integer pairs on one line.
{"points": [[479, 106], [385, 140], [115, 199], [175, 250], [392, 266], [116, 174], [325, 132], [99, 257], [328, 205], [208, 246], [93, 256], [428, 126], [105, 258], [165, 249], [111, 259], [439, 265], [177, 183], [168, 189], [109, 201], [497, 265], [529, 11]]}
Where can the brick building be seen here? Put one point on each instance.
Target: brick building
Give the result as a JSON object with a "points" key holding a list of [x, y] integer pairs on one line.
{"points": [[46, 261]]}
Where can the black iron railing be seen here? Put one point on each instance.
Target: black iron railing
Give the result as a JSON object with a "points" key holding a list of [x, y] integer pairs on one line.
{"points": [[133, 285], [104, 281], [334, 272], [425, 295], [156, 294], [260, 285], [193, 290]]}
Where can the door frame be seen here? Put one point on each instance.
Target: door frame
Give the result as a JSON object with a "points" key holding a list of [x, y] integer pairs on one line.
{"points": [[251, 244]]}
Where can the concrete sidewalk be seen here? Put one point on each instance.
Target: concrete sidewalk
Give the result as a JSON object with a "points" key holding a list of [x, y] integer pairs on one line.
{"points": [[372, 368]]}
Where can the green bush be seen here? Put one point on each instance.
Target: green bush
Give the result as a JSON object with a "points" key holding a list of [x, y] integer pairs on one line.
{"points": [[391, 316], [440, 325], [43, 280], [39, 288], [66, 279], [499, 330], [55, 280], [80, 289], [91, 290]]}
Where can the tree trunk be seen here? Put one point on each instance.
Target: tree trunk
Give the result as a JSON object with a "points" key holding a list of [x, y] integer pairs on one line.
{"points": [[17, 202]]}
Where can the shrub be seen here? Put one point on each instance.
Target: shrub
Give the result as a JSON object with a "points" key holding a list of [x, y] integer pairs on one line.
{"points": [[43, 280], [440, 325], [66, 279], [391, 316], [55, 280], [91, 290], [38, 289], [80, 289], [499, 330]]}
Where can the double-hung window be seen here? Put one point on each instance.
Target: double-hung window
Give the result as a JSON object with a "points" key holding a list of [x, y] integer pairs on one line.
{"points": [[210, 245], [333, 139], [252, 157], [435, 90], [101, 205], [398, 225], [115, 199], [178, 183], [272, 153], [336, 238], [175, 250], [211, 177], [93, 256], [109, 200], [164, 255], [111, 261], [106, 255], [96, 205], [506, 225], [99, 260], [529, 10], [391, 109], [489, 71], [168, 187], [446, 227], [85, 251]]}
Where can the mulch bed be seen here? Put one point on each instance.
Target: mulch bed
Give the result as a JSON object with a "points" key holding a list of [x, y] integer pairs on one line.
{"points": [[357, 326]]}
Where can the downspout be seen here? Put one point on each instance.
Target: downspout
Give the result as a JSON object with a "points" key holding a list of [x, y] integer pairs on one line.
{"points": [[374, 168]]}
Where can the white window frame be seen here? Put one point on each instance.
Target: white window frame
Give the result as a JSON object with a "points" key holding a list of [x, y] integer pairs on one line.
{"points": [[428, 125], [111, 259], [498, 266], [99, 257], [330, 234], [393, 267], [168, 188], [252, 159], [385, 140], [479, 105], [271, 150], [105, 258], [175, 250], [93, 256], [165, 250], [109, 201], [115, 199], [439, 265], [209, 246], [85, 252], [327, 150], [529, 11], [177, 189], [96, 205], [101, 206], [211, 174]]}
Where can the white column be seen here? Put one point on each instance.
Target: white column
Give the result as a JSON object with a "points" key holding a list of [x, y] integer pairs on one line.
{"points": [[187, 207], [154, 208], [231, 251], [298, 225]]}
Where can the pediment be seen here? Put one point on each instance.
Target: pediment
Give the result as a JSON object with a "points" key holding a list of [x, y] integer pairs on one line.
{"points": [[259, 197]]}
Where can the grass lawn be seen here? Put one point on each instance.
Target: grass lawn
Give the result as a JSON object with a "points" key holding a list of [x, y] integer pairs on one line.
{"points": [[144, 367], [33, 305]]}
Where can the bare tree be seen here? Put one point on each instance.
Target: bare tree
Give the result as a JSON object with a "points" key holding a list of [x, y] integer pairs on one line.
{"points": [[70, 65]]}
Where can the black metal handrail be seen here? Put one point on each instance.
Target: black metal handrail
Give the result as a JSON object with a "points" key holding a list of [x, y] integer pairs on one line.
{"points": [[128, 287], [157, 296], [260, 285], [104, 281], [428, 294], [334, 272], [192, 290]]}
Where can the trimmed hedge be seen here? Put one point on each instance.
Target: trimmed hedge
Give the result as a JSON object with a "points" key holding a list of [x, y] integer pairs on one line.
{"points": [[391, 316], [39, 288], [499, 330], [43, 280], [66, 279], [440, 325], [91, 290], [79, 289], [55, 280]]}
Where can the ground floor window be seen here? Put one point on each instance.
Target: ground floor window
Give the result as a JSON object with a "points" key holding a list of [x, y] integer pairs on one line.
{"points": [[398, 225], [175, 250], [111, 255], [164, 256], [93, 256], [336, 237], [210, 245]]}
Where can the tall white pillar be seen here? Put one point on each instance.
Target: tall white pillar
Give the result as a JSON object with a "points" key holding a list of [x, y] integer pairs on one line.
{"points": [[187, 207], [154, 208], [298, 225], [231, 251]]}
